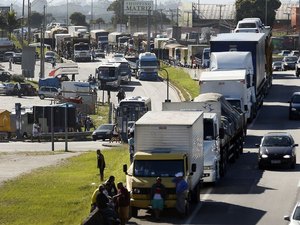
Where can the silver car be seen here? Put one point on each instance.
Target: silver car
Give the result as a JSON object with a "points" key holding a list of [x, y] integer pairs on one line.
{"points": [[48, 92], [294, 218]]}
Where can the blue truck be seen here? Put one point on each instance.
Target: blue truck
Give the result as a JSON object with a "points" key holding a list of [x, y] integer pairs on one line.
{"points": [[259, 46], [147, 66]]}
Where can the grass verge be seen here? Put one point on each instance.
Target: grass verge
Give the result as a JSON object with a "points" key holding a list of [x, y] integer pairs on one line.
{"points": [[58, 194], [182, 81]]}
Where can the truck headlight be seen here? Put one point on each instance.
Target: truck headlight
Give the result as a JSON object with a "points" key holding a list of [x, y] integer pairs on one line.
{"points": [[136, 191], [208, 167]]}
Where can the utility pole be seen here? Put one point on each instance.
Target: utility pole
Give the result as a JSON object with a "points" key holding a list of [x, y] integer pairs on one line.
{"points": [[28, 21], [42, 62], [177, 15], [22, 21], [266, 12], [220, 16]]}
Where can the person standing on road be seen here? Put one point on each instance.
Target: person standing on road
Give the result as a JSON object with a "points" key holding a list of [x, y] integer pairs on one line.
{"points": [[100, 164], [122, 203], [158, 194], [181, 191], [35, 131], [121, 95]]}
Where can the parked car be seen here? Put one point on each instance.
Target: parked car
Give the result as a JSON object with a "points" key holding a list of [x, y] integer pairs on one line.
{"points": [[294, 53], [284, 52], [277, 148], [26, 89], [9, 88], [7, 56], [2, 89], [294, 218], [5, 76], [49, 56], [103, 132], [289, 62], [17, 57], [48, 92], [276, 66], [294, 108]]}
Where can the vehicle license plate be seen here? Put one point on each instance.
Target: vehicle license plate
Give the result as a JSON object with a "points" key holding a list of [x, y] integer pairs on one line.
{"points": [[275, 161]]}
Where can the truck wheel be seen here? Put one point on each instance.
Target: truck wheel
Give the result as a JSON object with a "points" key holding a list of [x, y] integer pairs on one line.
{"points": [[196, 194], [134, 211]]}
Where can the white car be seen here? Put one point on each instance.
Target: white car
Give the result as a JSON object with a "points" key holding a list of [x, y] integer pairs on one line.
{"points": [[294, 218], [248, 26]]}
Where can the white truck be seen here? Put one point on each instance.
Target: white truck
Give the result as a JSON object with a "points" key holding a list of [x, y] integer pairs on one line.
{"points": [[166, 142], [235, 87], [78, 31], [231, 74], [211, 142]]}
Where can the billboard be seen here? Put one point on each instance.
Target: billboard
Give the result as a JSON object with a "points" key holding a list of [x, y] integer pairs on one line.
{"points": [[28, 61], [137, 8]]}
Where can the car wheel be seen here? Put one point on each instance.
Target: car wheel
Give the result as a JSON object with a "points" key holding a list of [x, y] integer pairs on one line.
{"points": [[42, 96], [103, 139]]}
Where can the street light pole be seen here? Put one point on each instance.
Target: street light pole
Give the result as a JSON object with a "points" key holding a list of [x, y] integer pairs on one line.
{"points": [[167, 100], [266, 12]]}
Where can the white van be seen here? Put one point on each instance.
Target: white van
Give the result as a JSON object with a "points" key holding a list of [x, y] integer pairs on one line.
{"points": [[248, 26]]}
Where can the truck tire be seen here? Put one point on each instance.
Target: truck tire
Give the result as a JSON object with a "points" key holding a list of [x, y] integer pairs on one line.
{"points": [[133, 211], [196, 194]]}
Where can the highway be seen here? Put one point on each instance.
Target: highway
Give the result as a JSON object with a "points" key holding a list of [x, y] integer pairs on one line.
{"points": [[246, 195]]}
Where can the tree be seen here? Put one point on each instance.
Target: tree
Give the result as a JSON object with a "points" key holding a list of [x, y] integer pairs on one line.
{"points": [[12, 22], [99, 21], [78, 19], [116, 6], [36, 19], [257, 8]]}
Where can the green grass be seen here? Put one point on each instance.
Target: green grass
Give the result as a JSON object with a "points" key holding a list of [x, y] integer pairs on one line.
{"points": [[182, 81], [58, 194]]}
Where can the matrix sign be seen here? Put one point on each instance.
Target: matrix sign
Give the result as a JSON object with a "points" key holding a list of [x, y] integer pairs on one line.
{"points": [[139, 8]]}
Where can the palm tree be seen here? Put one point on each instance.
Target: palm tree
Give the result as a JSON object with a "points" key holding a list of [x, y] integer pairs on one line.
{"points": [[12, 22]]}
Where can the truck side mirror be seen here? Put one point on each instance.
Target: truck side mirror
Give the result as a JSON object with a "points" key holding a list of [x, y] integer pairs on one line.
{"points": [[221, 133], [194, 167], [125, 168]]}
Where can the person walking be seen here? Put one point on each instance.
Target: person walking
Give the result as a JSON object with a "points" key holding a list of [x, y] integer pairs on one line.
{"points": [[181, 191], [158, 194], [122, 203], [100, 164], [121, 94], [131, 145]]}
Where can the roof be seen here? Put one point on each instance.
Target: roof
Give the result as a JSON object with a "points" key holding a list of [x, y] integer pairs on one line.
{"points": [[208, 97], [238, 37], [228, 11], [3, 110], [223, 75], [169, 117]]}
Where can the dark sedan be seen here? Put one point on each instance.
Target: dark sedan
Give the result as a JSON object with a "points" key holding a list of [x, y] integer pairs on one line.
{"points": [[277, 148], [103, 132], [289, 62], [294, 108], [17, 57]]}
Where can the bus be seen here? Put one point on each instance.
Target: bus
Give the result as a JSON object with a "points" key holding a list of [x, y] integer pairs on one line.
{"points": [[108, 76], [130, 110], [125, 68]]}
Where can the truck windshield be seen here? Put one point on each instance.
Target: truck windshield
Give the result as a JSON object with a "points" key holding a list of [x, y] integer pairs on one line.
{"points": [[81, 47], [106, 72], [148, 63], [208, 129], [157, 168]]}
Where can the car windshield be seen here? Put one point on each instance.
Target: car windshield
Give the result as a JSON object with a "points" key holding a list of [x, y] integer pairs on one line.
{"points": [[50, 54], [277, 141], [105, 127], [296, 215], [277, 63], [290, 59], [247, 25], [296, 99]]}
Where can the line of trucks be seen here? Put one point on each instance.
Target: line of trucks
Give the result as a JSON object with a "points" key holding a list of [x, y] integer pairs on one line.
{"points": [[199, 138]]}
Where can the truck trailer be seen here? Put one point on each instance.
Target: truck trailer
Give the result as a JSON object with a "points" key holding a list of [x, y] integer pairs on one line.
{"points": [[166, 143], [259, 46]]}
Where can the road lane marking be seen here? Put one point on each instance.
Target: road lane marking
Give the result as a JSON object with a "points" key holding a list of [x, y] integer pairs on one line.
{"points": [[199, 205]]}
